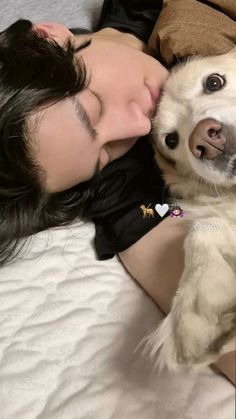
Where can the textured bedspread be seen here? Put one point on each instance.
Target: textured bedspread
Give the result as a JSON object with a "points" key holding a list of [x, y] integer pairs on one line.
{"points": [[69, 326]]}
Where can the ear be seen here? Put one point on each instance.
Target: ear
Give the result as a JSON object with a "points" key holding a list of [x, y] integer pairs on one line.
{"points": [[232, 52], [55, 31]]}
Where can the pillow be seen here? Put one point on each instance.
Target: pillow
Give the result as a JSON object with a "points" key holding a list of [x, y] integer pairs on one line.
{"points": [[83, 13]]}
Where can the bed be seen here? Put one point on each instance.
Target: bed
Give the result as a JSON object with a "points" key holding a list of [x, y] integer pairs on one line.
{"points": [[70, 324]]}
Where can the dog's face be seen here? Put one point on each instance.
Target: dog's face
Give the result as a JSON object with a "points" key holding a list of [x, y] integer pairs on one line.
{"points": [[195, 127]]}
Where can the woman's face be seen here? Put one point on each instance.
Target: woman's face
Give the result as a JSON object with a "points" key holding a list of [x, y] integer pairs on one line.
{"points": [[79, 135]]}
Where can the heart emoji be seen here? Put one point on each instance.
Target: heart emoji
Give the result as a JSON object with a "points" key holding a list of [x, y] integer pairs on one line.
{"points": [[162, 209]]}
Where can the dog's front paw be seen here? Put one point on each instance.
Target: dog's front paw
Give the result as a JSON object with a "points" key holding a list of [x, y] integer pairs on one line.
{"points": [[178, 347], [189, 341]]}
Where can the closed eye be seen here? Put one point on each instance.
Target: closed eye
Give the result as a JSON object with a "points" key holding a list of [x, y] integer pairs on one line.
{"points": [[101, 101]]}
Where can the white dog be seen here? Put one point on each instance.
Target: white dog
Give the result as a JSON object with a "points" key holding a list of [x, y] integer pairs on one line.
{"points": [[195, 146]]}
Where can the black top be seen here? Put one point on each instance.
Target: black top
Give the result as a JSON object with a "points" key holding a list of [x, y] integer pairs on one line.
{"points": [[134, 179], [133, 16], [123, 186]]}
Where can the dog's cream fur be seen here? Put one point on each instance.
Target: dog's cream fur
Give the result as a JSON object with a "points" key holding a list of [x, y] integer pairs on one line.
{"points": [[202, 321]]}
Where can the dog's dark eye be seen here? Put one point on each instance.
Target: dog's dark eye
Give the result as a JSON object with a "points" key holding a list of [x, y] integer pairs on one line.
{"points": [[172, 140], [213, 83]]}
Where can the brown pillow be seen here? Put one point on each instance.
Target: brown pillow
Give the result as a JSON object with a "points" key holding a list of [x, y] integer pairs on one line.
{"points": [[189, 27]]}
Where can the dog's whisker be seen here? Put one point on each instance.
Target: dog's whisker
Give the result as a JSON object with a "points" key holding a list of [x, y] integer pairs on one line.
{"points": [[196, 181], [215, 186]]}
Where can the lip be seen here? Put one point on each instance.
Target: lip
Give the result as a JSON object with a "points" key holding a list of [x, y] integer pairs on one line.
{"points": [[155, 94]]}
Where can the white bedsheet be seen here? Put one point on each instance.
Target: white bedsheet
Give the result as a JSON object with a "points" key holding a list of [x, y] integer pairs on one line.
{"points": [[69, 325]]}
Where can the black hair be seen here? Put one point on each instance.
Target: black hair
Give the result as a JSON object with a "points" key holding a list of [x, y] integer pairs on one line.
{"points": [[34, 71]]}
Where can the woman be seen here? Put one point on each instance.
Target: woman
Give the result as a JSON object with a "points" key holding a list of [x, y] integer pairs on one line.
{"points": [[45, 182]]}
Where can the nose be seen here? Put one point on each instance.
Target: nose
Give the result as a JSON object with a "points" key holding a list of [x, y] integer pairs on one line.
{"points": [[126, 124], [127, 121], [207, 139]]}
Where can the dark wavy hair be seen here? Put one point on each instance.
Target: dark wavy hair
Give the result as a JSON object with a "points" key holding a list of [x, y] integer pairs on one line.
{"points": [[34, 71]]}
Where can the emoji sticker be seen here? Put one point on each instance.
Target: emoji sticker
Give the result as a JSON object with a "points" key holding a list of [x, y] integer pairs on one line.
{"points": [[147, 212], [162, 209], [176, 211]]}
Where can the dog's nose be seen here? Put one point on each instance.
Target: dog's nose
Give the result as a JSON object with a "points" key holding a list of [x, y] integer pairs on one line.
{"points": [[207, 139]]}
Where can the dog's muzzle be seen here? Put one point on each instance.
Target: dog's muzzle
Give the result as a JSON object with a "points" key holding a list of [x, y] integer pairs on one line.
{"points": [[215, 141], [207, 139]]}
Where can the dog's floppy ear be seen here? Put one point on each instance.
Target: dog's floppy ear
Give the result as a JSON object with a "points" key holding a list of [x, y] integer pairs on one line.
{"points": [[179, 60], [232, 52]]}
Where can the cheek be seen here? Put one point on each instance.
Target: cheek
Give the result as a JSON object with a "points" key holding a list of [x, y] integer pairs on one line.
{"points": [[112, 65]]}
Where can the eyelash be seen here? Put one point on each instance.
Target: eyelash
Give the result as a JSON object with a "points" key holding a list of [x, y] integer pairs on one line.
{"points": [[99, 97], [82, 111], [102, 113]]}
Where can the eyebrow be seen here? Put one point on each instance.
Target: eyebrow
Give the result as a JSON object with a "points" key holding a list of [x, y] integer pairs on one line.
{"points": [[84, 118]]}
